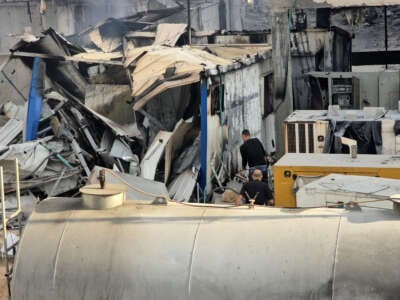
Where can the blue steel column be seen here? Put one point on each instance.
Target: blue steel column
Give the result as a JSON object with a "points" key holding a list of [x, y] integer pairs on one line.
{"points": [[203, 136], [35, 100]]}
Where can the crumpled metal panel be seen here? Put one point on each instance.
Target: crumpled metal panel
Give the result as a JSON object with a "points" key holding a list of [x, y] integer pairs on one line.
{"points": [[32, 157], [159, 68]]}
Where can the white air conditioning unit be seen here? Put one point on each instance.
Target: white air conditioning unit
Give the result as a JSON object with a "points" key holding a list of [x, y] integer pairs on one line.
{"points": [[305, 137]]}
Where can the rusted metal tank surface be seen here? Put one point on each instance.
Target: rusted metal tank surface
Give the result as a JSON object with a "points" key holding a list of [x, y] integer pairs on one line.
{"points": [[142, 251]]}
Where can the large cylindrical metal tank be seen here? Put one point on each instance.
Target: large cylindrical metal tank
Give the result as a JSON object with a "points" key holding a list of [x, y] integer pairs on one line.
{"points": [[143, 251]]}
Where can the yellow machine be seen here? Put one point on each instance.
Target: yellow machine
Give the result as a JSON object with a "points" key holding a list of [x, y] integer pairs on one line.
{"points": [[293, 166]]}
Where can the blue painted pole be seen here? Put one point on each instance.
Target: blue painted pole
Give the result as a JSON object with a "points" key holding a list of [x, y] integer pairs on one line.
{"points": [[203, 137], [35, 100]]}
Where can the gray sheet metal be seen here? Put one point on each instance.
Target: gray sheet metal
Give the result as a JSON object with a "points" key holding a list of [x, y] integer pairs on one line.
{"points": [[10, 131], [149, 186], [141, 251]]}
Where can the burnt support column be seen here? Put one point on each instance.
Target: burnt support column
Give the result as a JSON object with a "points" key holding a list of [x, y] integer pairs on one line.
{"points": [[281, 67]]}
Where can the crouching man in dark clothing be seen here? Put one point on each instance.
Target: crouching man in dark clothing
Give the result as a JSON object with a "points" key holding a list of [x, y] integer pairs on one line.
{"points": [[257, 190], [253, 154]]}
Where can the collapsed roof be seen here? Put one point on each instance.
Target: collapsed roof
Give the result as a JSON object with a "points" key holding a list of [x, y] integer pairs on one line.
{"points": [[108, 34], [159, 68]]}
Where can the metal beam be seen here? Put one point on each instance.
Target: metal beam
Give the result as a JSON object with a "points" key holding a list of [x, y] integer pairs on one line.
{"points": [[64, 58]]}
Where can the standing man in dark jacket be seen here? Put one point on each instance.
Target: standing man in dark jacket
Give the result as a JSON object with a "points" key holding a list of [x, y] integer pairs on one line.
{"points": [[253, 154]]}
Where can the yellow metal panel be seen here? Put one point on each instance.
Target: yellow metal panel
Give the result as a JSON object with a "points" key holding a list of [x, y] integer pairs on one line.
{"points": [[284, 178]]}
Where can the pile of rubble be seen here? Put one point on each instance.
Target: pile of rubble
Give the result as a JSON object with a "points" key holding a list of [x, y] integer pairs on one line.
{"points": [[77, 115], [67, 110], [60, 133]]}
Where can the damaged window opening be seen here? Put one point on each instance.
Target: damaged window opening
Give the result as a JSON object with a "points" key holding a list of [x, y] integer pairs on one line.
{"points": [[268, 96], [217, 99], [319, 60]]}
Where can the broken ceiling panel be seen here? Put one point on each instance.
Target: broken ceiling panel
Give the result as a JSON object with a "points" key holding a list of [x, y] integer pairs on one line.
{"points": [[169, 34]]}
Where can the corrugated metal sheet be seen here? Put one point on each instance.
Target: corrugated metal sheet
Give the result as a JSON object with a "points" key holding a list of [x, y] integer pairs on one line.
{"points": [[239, 52], [242, 107], [184, 65], [169, 34]]}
